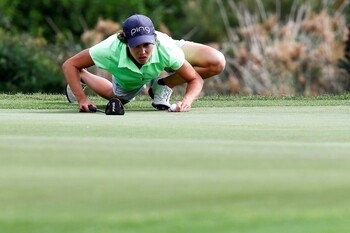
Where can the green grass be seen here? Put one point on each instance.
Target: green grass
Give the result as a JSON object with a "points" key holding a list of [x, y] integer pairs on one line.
{"points": [[43, 101], [232, 164]]}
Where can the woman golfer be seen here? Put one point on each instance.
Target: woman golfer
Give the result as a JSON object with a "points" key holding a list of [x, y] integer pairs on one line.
{"points": [[137, 56]]}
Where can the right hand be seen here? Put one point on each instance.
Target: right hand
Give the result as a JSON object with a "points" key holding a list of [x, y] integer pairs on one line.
{"points": [[84, 105]]}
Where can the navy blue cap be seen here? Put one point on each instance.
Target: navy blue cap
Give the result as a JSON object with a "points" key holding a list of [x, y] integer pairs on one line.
{"points": [[139, 29]]}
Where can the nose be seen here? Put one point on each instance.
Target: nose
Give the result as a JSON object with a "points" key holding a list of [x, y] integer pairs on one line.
{"points": [[142, 50]]}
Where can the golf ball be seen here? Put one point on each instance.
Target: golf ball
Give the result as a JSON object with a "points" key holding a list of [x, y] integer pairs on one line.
{"points": [[173, 107]]}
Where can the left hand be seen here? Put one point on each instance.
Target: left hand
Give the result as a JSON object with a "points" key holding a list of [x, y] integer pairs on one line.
{"points": [[181, 107]]}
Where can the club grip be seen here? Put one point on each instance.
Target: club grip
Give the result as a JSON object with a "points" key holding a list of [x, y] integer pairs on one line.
{"points": [[92, 108]]}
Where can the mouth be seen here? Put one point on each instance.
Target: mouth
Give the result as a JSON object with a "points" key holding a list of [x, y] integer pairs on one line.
{"points": [[143, 59]]}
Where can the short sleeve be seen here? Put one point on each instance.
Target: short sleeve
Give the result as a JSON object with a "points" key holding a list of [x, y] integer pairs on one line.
{"points": [[101, 53]]}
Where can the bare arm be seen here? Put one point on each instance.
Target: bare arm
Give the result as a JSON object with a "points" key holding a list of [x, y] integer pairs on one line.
{"points": [[71, 69], [194, 86]]}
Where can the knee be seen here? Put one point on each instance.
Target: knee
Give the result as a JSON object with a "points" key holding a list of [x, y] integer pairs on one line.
{"points": [[218, 64], [213, 66]]}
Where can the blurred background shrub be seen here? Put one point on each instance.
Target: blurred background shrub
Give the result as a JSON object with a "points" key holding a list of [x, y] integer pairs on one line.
{"points": [[296, 53], [26, 65]]}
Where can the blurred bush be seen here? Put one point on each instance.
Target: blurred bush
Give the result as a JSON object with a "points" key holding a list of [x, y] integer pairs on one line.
{"points": [[29, 65], [48, 18], [344, 63], [294, 55]]}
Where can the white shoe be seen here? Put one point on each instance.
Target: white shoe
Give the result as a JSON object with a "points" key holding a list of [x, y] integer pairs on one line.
{"points": [[70, 95], [161, 96]]}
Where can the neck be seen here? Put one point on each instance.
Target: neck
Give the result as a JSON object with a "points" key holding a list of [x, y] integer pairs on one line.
{"points": [[132, 58]]}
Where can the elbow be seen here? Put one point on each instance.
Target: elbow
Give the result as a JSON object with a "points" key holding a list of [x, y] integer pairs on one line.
{"points": [[66, 65]]}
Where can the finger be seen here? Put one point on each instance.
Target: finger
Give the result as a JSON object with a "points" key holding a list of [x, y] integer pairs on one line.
{"points": [[185, 107], [81, 109], [84, 108]]}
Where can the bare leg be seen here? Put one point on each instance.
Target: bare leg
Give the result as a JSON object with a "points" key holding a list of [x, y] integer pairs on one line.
{"points": [[101, 86], [206, 60]]}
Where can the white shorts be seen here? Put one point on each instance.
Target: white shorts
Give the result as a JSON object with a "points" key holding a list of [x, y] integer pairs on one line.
{"points": [[123, 95], [180, 43]]}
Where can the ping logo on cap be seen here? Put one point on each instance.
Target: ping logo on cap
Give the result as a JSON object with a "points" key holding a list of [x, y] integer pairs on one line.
{"points": [[140, 29]]}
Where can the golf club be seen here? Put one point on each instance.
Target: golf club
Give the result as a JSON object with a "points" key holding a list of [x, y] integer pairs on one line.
{"points": [[113, 107], [94, 109]]}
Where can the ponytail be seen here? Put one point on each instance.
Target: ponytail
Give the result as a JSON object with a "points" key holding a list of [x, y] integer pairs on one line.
{"points": [[121, 37]]}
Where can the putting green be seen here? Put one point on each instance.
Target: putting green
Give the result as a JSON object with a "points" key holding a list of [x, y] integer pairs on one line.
{"points": [[242, 169]]}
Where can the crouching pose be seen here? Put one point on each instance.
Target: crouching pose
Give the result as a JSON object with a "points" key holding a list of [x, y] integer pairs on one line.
{"points": [[137, 56]]}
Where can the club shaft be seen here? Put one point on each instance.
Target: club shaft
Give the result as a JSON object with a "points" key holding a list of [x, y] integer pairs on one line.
{"points": [[99, 110], [94, 109]]}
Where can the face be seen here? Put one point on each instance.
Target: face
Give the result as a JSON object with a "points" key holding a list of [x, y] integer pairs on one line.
{"points": [[142, 52]]}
